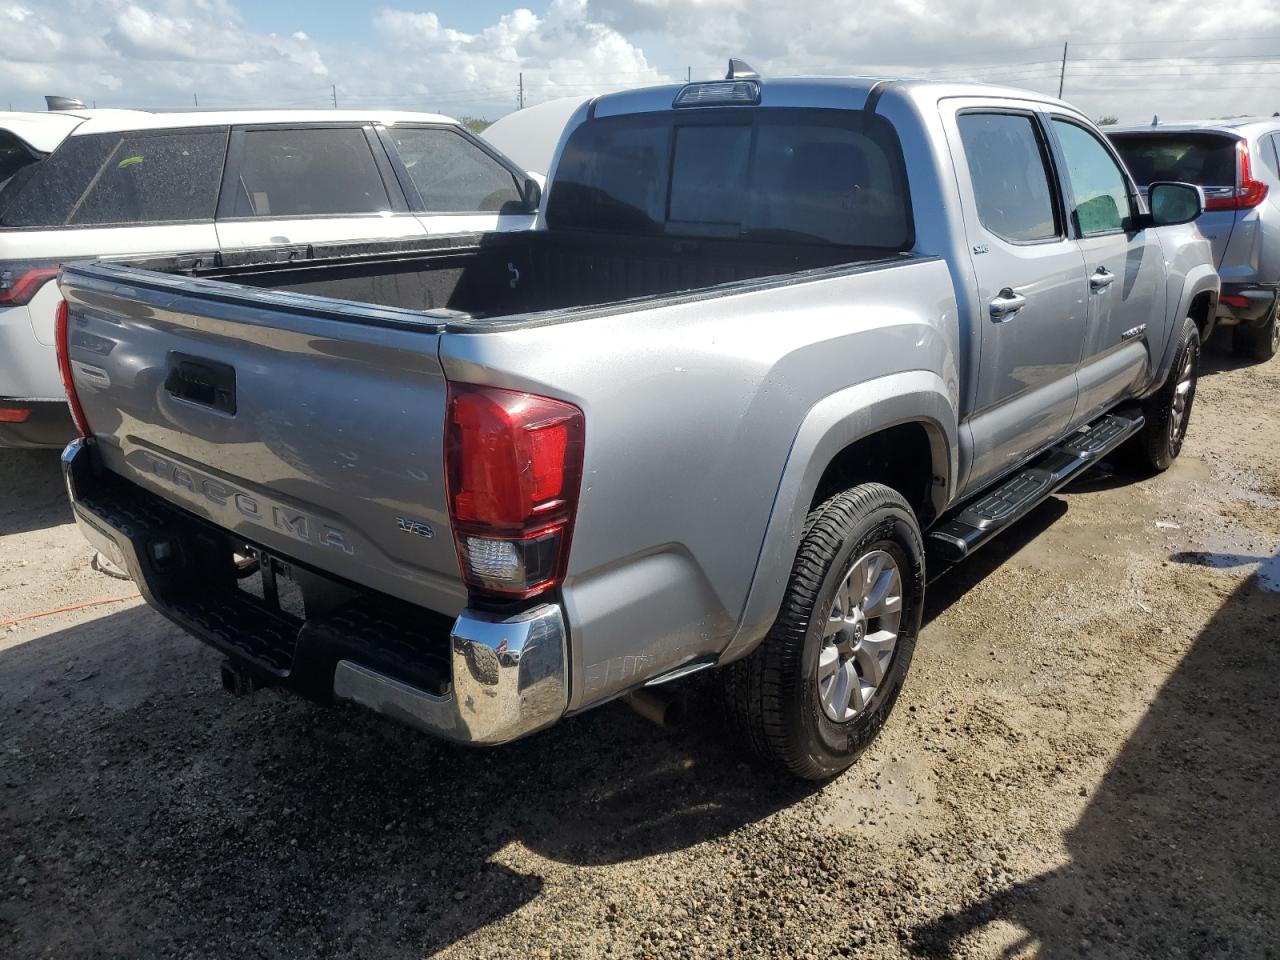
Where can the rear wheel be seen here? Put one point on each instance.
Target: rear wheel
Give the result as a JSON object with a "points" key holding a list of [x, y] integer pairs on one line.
{"points": [[1260, 343], [819, 688], [1168, 411]]}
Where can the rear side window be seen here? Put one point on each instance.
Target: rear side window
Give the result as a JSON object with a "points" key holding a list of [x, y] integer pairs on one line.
{"points": [[156, 179], [1269, 147], [452, 174], [1098, 186], [1008, 165], [818, 176], [1205, 159], [308, 172], [114, 178]]}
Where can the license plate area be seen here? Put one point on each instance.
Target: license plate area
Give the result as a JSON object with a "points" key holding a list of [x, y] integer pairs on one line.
{"points": [[271, 581]]}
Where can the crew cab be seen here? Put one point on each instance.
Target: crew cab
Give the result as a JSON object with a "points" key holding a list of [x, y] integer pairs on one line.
{"points": [[77, 183], [775, 352]]}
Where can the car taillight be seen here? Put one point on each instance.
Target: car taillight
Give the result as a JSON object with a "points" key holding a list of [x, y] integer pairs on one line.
{"points": [[62, 335], [514, 467], [18, 284], [1248, 192]]}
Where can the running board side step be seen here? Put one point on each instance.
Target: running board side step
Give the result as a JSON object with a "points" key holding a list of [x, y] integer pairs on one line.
{"points": [[995, 510]]}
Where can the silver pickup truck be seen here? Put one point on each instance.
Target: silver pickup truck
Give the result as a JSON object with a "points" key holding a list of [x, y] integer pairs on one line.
{"points": [[774, 348]]}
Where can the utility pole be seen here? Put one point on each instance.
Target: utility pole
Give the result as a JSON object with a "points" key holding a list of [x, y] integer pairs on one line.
{"points": [[196, 98], [335, 96], [688, 74], [521, 101], [1062, 76]]}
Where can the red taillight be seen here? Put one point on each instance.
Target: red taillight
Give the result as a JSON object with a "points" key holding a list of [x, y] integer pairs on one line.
{"points": [[64, 367], [19, 284], [1248, 192], [514, 466], [14, 414]]}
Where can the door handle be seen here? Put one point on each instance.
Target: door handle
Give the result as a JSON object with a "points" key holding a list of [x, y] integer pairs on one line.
{"points": [[1006, 305], [1101, 279]]}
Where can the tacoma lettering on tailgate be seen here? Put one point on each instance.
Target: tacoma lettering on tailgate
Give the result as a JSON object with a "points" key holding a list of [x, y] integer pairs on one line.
{"points": [[287, 520]]}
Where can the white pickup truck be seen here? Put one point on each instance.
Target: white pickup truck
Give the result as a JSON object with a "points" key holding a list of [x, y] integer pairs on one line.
{"points": [[773, 350]]}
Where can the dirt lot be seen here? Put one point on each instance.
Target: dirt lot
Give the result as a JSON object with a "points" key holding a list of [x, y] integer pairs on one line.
{"points": [[1085, 762]]}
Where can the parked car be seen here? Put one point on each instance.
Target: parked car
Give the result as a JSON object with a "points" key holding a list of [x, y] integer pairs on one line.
{"points": [[89, 183], [1237, 162], [530, 136], [770, 343]]}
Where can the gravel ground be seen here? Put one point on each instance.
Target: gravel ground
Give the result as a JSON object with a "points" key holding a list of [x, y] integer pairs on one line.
{"points": [[1083, 763]]}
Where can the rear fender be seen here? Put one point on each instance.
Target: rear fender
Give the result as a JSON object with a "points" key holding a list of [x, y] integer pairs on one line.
{"points": [[833, 424]]}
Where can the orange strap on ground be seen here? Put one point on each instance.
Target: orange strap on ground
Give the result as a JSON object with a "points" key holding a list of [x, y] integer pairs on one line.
{"points": [[74, 606]]}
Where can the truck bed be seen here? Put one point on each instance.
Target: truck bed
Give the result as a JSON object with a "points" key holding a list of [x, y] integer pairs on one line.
{"points": [[498, 275]]}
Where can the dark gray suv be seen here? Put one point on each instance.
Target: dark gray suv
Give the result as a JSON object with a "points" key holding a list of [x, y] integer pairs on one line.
{"points": [[1237, 162]]}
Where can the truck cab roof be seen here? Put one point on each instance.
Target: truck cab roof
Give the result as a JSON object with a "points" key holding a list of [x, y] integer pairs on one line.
{"points": [[841, 92]]}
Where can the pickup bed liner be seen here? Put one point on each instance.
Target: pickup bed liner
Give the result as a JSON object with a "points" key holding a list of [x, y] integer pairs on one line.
{"points": [[511, 274]]}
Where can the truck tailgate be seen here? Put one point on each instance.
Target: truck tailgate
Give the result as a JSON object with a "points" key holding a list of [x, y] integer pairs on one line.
{"points": [[308, 426]]}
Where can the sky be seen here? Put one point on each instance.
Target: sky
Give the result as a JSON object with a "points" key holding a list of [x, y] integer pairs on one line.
{"points": [[1179, 59]]}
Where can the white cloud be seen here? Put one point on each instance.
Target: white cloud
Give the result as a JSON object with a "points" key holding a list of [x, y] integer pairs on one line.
{"points": [[161, 52]]}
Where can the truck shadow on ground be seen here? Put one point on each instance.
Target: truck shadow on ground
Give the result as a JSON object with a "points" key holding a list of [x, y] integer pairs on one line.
{"points": [[154, 815], [32, 496], [1175, 854]]}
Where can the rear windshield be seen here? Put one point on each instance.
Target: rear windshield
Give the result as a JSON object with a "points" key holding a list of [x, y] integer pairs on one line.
{"points": [[1204, 159], [823, 176], [14, 156]]}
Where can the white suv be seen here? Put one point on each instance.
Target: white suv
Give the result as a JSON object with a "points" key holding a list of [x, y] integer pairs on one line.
{"points": [[91, 183]]}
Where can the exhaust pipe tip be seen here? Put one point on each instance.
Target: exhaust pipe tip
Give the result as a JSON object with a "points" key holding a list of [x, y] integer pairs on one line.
{"points": [[666, 711], [237, 681]]}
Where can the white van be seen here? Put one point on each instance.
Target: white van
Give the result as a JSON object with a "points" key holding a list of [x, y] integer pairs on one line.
{"points": [[83, 184]]}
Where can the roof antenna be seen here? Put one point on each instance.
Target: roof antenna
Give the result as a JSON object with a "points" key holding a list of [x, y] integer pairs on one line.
{"points": [[740, 70], [63, 103], [1155, 120]]}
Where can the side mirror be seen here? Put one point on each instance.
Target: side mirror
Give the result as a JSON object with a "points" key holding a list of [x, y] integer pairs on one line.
{"points": [[1174, 203], [532, 193]]}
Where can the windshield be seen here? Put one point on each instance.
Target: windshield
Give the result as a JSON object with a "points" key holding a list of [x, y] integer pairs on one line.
{"points": [[821, 176], [1205, 159]]}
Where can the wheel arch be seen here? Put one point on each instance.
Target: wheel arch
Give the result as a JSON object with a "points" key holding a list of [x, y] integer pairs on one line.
{"points": [[898, 430]]}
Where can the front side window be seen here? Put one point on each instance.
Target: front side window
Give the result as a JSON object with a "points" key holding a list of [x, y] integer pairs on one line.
{"points": [[308, 172], [452, 174], [120, 178], [815, 176], [1097, 182], [1008, 168]]}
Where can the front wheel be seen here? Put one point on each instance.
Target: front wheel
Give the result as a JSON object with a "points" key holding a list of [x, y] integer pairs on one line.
{"points": [[1168, 410], [819, 688]]}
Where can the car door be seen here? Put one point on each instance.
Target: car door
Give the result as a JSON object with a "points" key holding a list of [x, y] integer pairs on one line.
{"points": [[1030, 285], [310, 183], [1124, 266], [455, 183]]}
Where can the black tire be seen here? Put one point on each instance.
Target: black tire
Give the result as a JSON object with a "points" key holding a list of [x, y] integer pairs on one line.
{"points": [[1159, 441], [1259, 343], [771, 697]]}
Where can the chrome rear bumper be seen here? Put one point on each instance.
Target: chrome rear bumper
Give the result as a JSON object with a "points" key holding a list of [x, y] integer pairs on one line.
{"points": [[506, 676], [509, 679]]}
